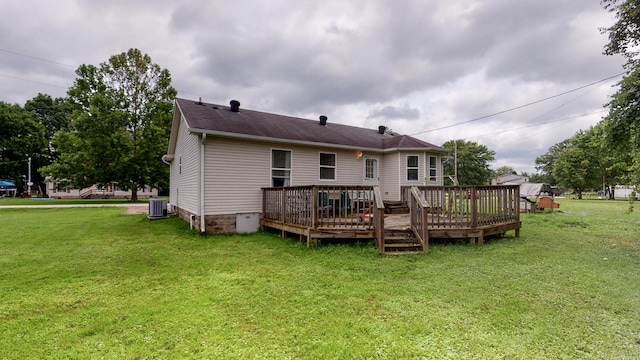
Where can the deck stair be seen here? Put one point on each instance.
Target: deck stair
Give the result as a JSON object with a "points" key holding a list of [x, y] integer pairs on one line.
{"points": [[401, 242], [86, 193]]}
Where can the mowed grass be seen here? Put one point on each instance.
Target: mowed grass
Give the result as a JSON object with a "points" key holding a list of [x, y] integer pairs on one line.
{"points": [[96, 283], [16, 201]]}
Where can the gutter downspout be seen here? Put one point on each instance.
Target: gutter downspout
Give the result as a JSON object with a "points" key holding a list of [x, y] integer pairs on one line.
{"points": [[164, 160], [202, 225]]}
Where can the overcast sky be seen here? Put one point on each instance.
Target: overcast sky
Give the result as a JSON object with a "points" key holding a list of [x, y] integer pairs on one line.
{"points": [[419, 67]]}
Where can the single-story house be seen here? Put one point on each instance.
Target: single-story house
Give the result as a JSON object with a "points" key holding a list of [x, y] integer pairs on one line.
{"points": [[221, 157], [509, 179], [63, 190]]}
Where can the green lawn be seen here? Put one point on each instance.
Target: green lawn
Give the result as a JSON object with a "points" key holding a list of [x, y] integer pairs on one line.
{"points": [[12, 201], [96, 283]]}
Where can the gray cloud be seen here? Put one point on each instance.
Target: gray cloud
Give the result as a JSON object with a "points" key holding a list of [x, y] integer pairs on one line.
{"points": [[414, 65], [394, 112]]}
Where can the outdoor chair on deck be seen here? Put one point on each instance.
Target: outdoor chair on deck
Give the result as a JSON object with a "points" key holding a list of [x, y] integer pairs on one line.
{"points": [[345, 203], [324, 207]]}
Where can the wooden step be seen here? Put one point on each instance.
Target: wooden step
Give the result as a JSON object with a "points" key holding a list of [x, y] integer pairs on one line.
{"points": [[398, 242]]}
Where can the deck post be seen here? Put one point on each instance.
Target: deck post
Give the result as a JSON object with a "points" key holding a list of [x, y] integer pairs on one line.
{"points": [[378, 218], [474, 208], [283, 204], [314, 207]]}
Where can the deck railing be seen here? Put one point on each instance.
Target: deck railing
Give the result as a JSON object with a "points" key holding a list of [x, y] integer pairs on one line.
{"points": [[320, 206], [469, 206], [418, 208], [377, 212]]}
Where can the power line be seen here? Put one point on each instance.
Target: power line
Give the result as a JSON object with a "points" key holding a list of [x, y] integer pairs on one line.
{"points": [[536, 124], [35, 57], [33, 81], [521, 106]]}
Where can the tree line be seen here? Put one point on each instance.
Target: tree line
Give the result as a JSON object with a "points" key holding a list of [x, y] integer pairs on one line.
{"points": [[112, 128], [114, 125], [607, 154]]}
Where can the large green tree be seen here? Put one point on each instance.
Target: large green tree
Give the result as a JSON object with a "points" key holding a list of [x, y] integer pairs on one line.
{"points": [[622, 124], [624, 34], [120, 125], [21, 138], [576, 166], [544, 163], [472, 160]]}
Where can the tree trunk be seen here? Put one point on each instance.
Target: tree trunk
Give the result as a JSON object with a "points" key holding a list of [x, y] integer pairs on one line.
{"points": [[134, 195], [578, 194]]}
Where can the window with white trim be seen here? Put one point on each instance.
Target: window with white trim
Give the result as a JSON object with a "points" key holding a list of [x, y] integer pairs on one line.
{"points": [[370, 169], [280, 167], [412, 167], [327, 166], [433, 169]]}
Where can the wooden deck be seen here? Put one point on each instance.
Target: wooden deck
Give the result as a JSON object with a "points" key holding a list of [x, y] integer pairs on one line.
{"points": [[357, 212]]}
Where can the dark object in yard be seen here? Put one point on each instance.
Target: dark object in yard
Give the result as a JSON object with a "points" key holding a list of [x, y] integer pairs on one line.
{"points": [[546, 202]]}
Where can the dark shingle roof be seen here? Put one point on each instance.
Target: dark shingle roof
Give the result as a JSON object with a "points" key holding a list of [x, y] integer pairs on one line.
{"points": [[210, 118]]}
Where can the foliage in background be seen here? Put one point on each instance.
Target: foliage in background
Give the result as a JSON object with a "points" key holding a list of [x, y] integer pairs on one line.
{"points": [[21, 137], [622, 124], [576, 165], [544, 163], [53, 115], [120, 125], [624, 34], [473, 162], [505, 170]]}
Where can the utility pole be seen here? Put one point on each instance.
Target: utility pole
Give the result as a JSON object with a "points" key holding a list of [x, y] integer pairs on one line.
{"points": [[29, 183]]}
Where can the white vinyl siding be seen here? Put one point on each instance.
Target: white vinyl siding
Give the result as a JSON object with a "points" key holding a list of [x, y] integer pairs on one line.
{"points": [[306, 167], [185, 170], [389, 178], [235, 172]]}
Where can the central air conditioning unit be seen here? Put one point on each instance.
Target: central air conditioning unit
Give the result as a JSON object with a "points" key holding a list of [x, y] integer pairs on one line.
{"points": [[157, 209]]}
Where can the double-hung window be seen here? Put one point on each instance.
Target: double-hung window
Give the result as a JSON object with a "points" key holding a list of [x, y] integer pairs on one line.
{"points": [[412, 168], [433, 169], [280, 167], [370, 169], [327, 166]]}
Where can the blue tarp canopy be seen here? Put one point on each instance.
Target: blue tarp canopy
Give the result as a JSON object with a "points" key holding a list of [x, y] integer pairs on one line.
{"points": [[7, 184]]}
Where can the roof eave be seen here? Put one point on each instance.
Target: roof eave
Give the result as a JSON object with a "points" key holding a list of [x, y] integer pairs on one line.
{"points": [[431, 149], [280, 140]]}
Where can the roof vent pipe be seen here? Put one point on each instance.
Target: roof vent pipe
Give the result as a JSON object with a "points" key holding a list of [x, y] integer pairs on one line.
{"points": [[323, 120], [235, 105], [382, 129]]}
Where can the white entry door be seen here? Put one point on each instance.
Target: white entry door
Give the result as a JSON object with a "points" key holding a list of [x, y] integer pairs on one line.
{"points": [[371, 174]]}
